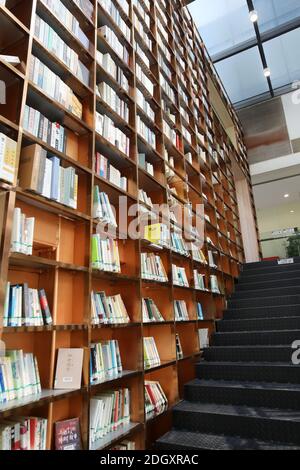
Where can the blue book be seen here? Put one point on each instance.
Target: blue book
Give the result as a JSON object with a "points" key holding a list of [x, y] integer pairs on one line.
{"points": [[3, 396], [55, 178], [113, 357], [200, 311]]}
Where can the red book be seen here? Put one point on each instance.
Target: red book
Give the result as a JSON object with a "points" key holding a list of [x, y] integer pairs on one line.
{"points": [[67, 435]]}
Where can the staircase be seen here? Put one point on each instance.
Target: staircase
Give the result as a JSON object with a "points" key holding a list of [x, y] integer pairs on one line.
{"points": [[247, 394]]}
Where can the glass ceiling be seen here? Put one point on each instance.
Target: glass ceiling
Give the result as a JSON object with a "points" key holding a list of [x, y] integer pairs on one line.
{"points": [[233, 44]]}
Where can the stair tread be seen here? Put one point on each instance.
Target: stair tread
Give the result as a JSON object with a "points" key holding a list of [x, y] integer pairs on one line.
{"points": [[261, 319], [251, 346], [261, 290], [247, 364], [252, 332], [244, 385], [239, 410], [195, 440], [262, 307]]}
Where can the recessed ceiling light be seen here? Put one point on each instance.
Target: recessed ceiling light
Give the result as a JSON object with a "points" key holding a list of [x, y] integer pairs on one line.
{"points": [[286, 196], [292, 212], [253, 16], [267, 72]]}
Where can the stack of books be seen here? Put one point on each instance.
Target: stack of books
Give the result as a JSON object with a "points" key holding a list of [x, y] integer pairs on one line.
{"points": [[45, 176], [107, 171], [199, 280], [102, 208], [152, 268], [108, 310], [52, 133], [179, 351], [151, 313], [22, 233], [54, 86], [105, 360], [112, 39], [22, 433], [151, 356], [198, 255], [25, 307], [145, 165], [181, 311], [179, 276], [105, 254], [156, 401], [8, 158], [108, 412], [19, 376]]}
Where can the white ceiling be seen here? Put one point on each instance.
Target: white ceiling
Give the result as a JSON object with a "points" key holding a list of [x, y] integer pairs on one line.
{"points": [[272, 194]]}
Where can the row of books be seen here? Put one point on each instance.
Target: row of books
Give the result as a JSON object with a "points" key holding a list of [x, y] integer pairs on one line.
{"points": [[102, 208], [45, 176], [145, 132], [200, 283], [150, 311], [109, 35], [65, 17], [124, 446], [108, 310], [23, 433], [19, 376], [108, 412], [8, 158], [114, 13], [52, 133], [109, 65], [22, 233], [107, 171], [151, 355], [145, 165], [156, 401], [112, 99], [152, 268], [107, 129], [54, 86], [105, 254], [105, 361], [25, 307], [55, 44]]}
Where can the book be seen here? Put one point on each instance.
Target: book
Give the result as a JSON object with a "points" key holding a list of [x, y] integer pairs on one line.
{"points": [[109, 172], [151, 355], [68, 435], [109, 411], [102, 208], [200, 314], [199, 281], [214, 284], [156, 401], [69, 364], [22, 233], [203, 334], [19, 376], [8, 158], [179, 351], [108, 310], [105, 361], [25, 307]]}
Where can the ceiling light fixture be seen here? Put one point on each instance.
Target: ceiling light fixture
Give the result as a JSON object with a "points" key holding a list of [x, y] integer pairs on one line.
{"points": [[292, 212], [253, 16], [267, 72], [286, 196]]}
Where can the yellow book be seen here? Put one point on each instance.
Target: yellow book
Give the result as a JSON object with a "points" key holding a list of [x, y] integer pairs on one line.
{"points": [[152, 233], [8, 159]]}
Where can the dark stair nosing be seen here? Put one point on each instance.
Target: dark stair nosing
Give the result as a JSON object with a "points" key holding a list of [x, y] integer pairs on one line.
{"points": [[265, 293], [249, 353], [261, 394], [260, 312], [184, 440], [272, 372], [258, 324], [270, 301], [259, 338], [262, 285]]}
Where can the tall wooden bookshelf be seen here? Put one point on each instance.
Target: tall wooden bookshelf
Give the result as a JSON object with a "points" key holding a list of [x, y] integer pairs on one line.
{"points": [[61, 260]]}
